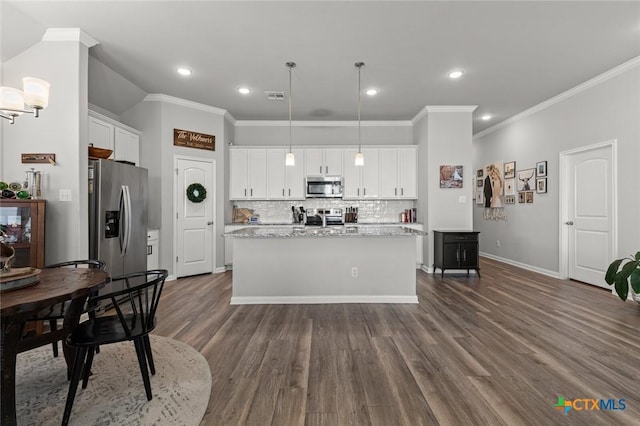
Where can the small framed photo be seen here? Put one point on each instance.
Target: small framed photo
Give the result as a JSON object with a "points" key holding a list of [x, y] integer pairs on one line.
{"points": [[479, 183], [479, 196], [541, 169], [529, 196], [541, 186], [509, 187], [480, 173], [509, 199], [521, 197], [510, 170]]}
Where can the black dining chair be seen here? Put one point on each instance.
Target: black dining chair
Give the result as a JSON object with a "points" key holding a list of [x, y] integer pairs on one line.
{"points": [[135, 307], [56, 312]]}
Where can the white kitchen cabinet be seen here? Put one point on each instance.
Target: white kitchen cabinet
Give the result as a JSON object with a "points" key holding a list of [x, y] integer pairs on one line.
{"points": [[398, 173], [248, 174], [285, 182], [101, 134], [361, 182], [323, 162], [124, 141], [153, 242], [127, 146]]}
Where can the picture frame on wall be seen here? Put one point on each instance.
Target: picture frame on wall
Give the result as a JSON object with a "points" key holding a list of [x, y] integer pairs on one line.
{"points": [[479, 183], [480, 173], [541, 186], [509, 187], [479, 196], [541, 169], [521, 197], [529, 196], [451, 176], [526, 179], [510, 170]]}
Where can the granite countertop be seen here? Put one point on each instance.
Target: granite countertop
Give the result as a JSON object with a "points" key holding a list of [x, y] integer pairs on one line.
{"points": [[346, 224], [331, 231]]}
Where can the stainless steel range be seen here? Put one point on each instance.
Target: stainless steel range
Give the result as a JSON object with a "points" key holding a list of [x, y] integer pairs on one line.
{"points": [[324, 217]]}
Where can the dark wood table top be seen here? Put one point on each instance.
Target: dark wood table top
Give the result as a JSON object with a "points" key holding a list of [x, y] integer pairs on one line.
{"points": [[56, 285]]}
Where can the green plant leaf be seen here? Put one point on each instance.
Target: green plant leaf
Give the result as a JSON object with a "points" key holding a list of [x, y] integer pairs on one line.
{"points": [[638, 255], [628, 268], [610, 276], [622, 288], [635, 281]]}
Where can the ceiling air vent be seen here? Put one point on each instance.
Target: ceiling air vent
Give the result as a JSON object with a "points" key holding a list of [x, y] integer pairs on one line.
{"points": [[275, 96]]}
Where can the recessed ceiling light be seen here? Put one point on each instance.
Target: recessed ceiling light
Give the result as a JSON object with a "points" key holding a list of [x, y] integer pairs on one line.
{"points": [[372, 92], [184, 71], [244, 90], [456, 74], [486, 117]]}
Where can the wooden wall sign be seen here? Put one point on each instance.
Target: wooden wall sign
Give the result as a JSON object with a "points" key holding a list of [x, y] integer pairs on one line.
{"points": [[39, 158], [194, 140]]}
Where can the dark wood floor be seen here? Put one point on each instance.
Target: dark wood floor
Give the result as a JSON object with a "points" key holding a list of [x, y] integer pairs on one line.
{"points": [[498, 350]]}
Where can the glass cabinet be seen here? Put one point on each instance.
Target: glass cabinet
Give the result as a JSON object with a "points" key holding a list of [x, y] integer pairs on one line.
{"points": [[22, 225]]}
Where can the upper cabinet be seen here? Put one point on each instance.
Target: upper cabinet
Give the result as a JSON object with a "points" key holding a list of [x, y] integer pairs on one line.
{"points": [[323, 161], [285, 182], [248, 174], [109, 134], [361, 182], [398, 173], [261, 173]]}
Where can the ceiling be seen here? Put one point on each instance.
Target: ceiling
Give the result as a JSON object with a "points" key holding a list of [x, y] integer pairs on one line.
{"points": [[514, 54]]}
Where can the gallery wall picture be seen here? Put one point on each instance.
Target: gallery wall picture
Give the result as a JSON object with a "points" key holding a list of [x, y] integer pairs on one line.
{"points": [[509, 199], [509, 187], [541, 169], [480, 173], [521, 197], [528, 195], [541, 186], [510, 170], [526, 179], [451, 176], [493, 186], [479, 196]]}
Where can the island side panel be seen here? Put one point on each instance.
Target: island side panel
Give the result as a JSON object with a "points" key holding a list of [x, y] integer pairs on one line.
{"points": [[319, 270]]}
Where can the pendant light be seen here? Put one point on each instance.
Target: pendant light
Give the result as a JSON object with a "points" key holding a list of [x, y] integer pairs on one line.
{"points": [[290, 159], [359, 154]]}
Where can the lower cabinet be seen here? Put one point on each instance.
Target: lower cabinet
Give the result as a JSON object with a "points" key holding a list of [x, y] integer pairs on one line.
{"points": [[153, 239], [456, 250]]}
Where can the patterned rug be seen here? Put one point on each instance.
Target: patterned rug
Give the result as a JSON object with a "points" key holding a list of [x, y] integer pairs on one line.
{"points": [[115, 393]]}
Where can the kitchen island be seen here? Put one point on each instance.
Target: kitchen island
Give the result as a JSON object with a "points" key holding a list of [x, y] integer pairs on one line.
{"points": [[324, 265]]}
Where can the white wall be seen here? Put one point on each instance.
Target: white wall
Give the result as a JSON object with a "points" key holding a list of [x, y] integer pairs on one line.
{"points": [[157, 116], [444, 138], [605, 111], [61, 129], [340, 133]]}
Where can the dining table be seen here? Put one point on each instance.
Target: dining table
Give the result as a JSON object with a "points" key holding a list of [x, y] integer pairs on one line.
{"points": [[18, 306]]}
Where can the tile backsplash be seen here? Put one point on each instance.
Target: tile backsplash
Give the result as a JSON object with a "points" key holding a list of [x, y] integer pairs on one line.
{"points": [[378, 211]]}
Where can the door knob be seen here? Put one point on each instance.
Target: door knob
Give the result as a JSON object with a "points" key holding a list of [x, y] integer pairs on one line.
{"points": [[569, 223], [209, 223]]}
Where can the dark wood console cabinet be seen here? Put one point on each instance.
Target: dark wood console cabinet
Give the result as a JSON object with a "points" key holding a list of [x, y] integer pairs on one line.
{"points": [[23, 223], [456, 250]]}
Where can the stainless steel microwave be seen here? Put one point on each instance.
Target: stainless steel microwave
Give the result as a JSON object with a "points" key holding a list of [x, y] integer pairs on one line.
{"points": [[324, 187]]}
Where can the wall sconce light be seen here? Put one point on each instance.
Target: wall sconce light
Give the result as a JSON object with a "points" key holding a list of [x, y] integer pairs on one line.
{"points": [[13, 102]]}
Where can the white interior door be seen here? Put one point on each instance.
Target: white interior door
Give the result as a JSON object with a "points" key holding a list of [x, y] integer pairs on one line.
{"points": [[194, 221], [590, 219]]}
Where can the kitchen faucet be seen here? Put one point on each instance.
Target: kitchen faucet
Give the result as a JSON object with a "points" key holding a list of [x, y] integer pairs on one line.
{"points": [[324, 220]]}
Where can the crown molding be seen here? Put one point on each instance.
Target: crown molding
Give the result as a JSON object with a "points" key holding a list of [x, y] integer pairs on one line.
{"points": [[419, 116], [285, 123], [607, 75], [450, 108], [230, 117], [69, 34], [159, 97]]}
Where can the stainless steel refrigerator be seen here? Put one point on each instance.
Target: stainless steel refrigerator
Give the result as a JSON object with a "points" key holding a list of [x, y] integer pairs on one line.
{"points": [[118, 217]]}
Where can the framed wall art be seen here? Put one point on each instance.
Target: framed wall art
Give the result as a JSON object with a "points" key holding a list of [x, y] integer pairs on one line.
{"points": [[521, 197], [528, 195], [479, 196], [541, 169], [526, 179], [451, 176], [509, 187], [510, 170], [541, 186]]}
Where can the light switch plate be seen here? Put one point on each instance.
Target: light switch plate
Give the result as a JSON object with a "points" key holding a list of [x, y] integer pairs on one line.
{"points": [[462, 199], [65, 195]]}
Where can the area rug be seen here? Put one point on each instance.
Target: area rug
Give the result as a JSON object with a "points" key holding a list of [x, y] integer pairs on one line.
{"points": [[115, 394]]}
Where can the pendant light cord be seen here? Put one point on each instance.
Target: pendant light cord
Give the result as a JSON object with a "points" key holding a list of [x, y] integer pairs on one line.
{"points": [[290, 65], [359, 65]]}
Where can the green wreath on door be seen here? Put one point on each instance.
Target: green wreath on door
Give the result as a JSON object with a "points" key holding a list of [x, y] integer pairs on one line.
{"points": [[196, 193]]}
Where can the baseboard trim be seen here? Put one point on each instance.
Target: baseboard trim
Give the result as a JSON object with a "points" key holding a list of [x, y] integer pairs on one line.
{"points": [[171, 278], [304, 300], [427, 269], [220, 269], [542, 271]]}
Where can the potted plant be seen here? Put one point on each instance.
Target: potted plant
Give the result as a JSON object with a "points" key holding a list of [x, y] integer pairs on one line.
{"points": [[625, 273]]}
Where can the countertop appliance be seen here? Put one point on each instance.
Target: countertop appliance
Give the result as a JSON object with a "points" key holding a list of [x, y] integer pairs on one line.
{"points": [[118, 218], [324, 187], [323, 217]]}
